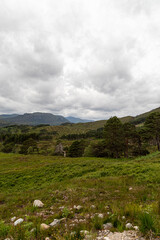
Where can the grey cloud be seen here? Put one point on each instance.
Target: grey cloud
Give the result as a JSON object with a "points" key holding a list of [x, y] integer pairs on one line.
{"points": [[91, 59]]}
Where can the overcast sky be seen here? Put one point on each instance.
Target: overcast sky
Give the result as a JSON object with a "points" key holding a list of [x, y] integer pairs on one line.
{"points": [[86, 58]]}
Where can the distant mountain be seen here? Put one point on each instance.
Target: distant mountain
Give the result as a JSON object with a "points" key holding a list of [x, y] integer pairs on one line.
{"points": [[3, 116], [77, 120], [33, 119]]}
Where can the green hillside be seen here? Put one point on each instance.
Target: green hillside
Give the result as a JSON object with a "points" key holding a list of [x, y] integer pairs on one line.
{"points": [[115, 187]]}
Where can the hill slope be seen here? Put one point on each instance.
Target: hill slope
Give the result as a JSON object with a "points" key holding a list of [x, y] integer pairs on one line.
{"points": [[77, 120], [34, 119]]}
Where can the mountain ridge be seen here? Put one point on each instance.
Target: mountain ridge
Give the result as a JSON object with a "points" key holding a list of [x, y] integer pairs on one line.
{"points": [[37, 118]]}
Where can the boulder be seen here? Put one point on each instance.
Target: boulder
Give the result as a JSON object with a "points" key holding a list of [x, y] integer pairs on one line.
{"points": [[136, 228], [18, 221], [84, 232], [44, 226], [129, 226], [37, 203], [13, 219], [77, 207], [54, 223], [100, 215], [108, 226]]}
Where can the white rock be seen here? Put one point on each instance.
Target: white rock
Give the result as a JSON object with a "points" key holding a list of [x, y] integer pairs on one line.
{"points": [[37, 203], [88, 237], [100, 215], [47, 238], [130, 188], [136, 228], [106, 238], [13, 219], [129, 226], [93, 206], [85, 232], [33, 230], [44, 226], [79, 207], [108, 226], [54, 223], [18, 221], [123, 217]]}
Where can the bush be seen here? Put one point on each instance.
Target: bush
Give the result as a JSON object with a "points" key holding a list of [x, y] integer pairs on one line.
{"points": [[96, 150], [76, 149]]}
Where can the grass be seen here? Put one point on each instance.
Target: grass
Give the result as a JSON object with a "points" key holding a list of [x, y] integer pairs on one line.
{"points": [[66, 182]]}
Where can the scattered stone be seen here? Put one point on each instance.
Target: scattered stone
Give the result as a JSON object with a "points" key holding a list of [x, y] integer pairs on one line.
{"points": [[123, 217], [54, 223], [37, 203], [33, 230], [85, 232], [77, 207], [88, 237], [108, 226], [13, 219], [44, 226], [129, 226], [136, 228], [93, 206], [47, 238], [18, 221], [61, 208], [100, 215], [126, 235], [73, 233], [130, 188]]}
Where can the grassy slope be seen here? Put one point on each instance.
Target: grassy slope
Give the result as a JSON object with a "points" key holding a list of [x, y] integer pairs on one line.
{"points": [[25, 178]]}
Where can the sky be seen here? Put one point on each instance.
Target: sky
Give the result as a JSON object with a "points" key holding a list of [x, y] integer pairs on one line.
{"points": [[91, 59]]}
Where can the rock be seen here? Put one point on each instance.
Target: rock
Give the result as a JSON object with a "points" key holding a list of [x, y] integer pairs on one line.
{"points": [[130, 188], [106, 238], [44, 226], [18, 221], [54, 223], [72, 233], [61, 208], [123, 217], [47, 238], [108, 226], [33, 230], [136, 228], [129, 226], [37, 203], [84, 232], [13, 219], [93, 206], [77, 207], [100, 215], [88, 237]]}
